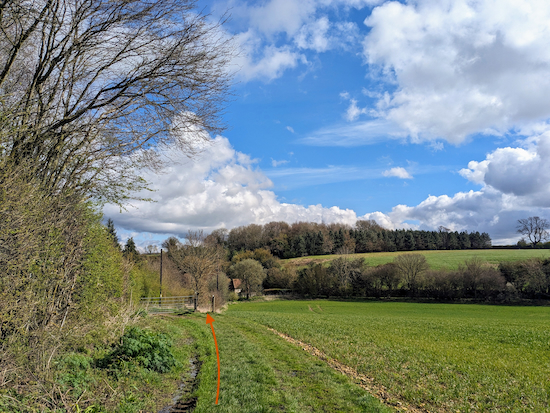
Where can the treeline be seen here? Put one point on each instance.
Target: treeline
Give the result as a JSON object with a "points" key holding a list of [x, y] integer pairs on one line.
{"points": [[410, 276], [301, 239]]}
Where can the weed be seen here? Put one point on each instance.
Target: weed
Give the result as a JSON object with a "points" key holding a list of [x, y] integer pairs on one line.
{"points": [[144, 348]]}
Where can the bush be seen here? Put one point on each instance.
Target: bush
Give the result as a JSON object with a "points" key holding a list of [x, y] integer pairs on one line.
{"points": [[73, 372], [144, 348]]}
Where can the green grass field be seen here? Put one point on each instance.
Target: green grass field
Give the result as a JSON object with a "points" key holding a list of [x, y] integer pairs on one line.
{"points": [[440, 357], [261, 372], [437, 260]]}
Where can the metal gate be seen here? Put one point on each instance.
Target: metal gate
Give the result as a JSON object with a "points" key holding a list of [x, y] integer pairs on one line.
{"points": [[167, 304]]}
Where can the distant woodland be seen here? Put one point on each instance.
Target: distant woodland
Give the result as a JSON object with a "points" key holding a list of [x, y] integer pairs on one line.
{"points": [[301, 239]]}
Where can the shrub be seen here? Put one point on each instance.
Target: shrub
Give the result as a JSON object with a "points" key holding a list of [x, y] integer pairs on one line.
{"points": [[144, 348]]}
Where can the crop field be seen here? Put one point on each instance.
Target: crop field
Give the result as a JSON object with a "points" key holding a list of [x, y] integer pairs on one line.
{"points": [[423, 357], [261, 372], [438, 260]]}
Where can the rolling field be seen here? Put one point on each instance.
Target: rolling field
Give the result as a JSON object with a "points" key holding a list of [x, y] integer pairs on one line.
{"points": [[431, 357], [438, 260]]}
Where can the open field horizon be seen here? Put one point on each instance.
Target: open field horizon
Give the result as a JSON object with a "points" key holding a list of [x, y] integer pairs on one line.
{"points": [[437, 259]]}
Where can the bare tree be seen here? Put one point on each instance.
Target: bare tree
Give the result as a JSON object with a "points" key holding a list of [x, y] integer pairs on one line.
{"points": [[535, 228], [410, 266], [197, 259], [90, 87]]}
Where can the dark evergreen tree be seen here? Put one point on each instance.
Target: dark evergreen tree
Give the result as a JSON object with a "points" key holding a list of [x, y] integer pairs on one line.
{"points": [[453, 241], [409, 242], [485, 240], [400, 240], [319, 243], [299, 246], [339, 239], [112, 233], [464, 241], [130, 251]]}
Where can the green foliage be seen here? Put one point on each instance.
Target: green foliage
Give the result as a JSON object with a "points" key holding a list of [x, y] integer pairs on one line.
{"points": [[73, 374], [251, 273], [144, 282], [102, 285], [143, 348]]}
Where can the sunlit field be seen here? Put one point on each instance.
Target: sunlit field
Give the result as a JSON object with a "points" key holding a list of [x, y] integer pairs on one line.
{"points": [[441, 357], [438, 260]]}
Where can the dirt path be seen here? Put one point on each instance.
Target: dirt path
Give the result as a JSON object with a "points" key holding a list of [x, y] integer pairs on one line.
{"points": [[362, 380]]}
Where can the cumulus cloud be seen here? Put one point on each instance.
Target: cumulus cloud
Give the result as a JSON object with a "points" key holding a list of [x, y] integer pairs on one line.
{"points": [[219, 188], [398, 172], [354, 111], [515, 183], [461, 67], [225, 188], [522, 172]]}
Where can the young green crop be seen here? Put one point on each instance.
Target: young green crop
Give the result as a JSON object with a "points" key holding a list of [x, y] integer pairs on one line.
{"points": [[438, 356]]}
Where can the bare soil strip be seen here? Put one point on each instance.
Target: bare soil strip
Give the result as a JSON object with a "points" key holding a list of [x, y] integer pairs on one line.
{"points": [[363, 381]]}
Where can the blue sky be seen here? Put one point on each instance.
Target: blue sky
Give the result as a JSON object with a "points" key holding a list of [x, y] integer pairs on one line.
{"points": [[413, 113]]}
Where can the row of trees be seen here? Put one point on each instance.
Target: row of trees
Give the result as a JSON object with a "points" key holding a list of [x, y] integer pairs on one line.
{"points": [[409, 275], [202, 259], [306, 238]]}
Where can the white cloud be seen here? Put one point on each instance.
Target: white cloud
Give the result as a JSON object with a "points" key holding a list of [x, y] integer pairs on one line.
{"points": [[314, 35], [354, 111], [398, 172], [354, 134], [291, 178], [257, 61], [275, 163], [522, 172], [224, 188], [278, 32], [321, 35], [281, 16], [290, 129], [462, 67], [219, 188]]}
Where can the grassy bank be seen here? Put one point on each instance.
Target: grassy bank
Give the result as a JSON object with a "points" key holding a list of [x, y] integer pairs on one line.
{"points": [[438, 260], [441, 357]]}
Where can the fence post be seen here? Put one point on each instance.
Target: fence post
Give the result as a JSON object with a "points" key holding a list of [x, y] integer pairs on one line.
{"points": [[213, 303]]}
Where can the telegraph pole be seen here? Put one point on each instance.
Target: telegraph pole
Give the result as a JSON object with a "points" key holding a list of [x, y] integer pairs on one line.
{"points": [[161, 272]]}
